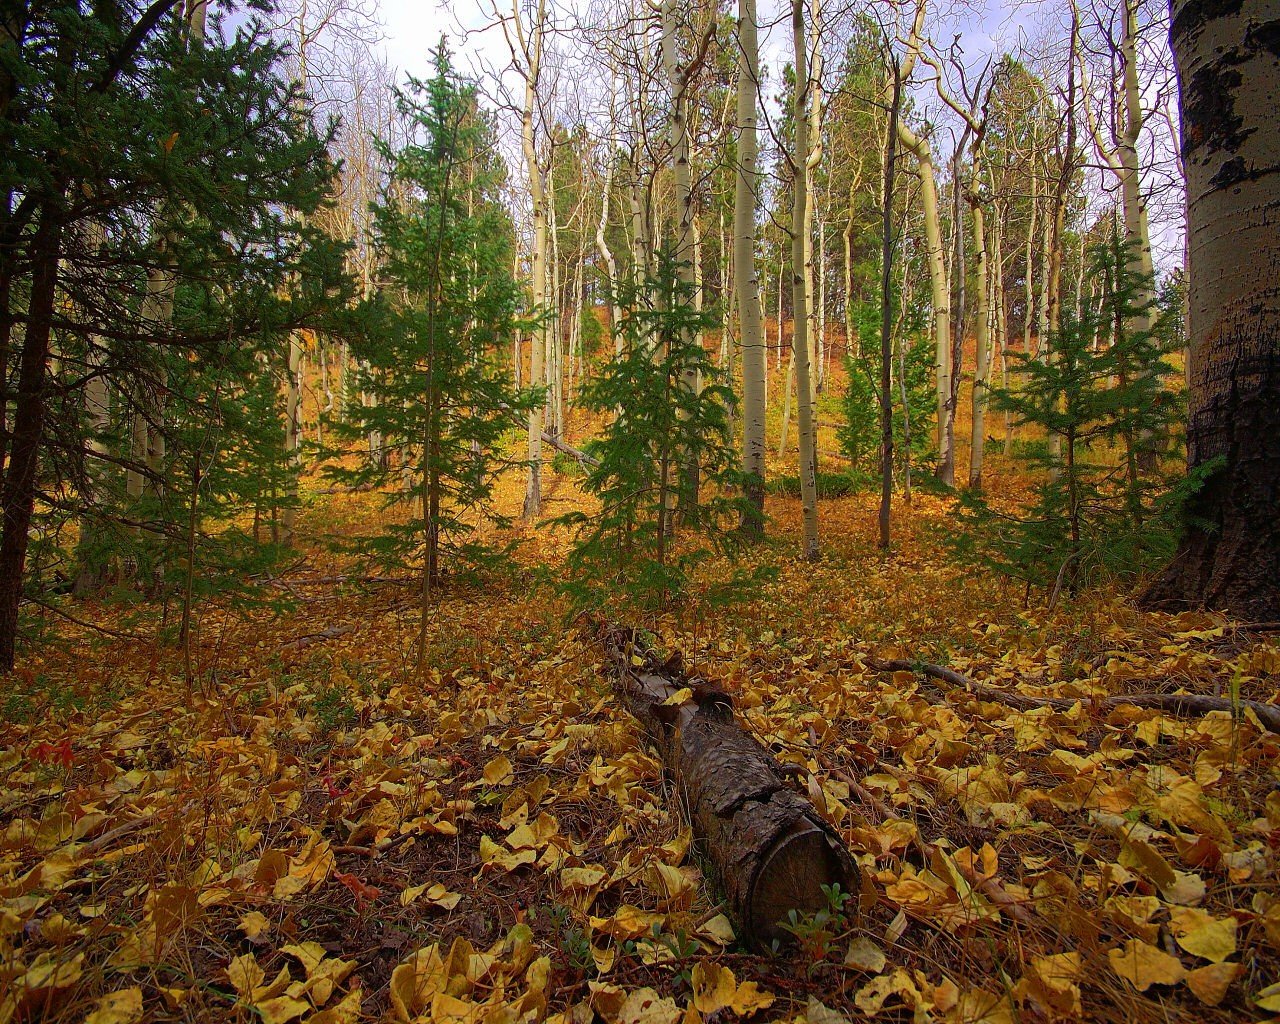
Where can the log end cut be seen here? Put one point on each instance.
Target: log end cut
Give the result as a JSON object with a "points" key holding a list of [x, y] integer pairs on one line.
{"points": [[791, 877]]}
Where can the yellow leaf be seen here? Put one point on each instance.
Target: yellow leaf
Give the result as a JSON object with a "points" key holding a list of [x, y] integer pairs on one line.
{"points": [[864, 955], [447, 1009], [713, 987], [1142, 965], [628, 923], [254, 924], [749, 998], [1203, 935], [1269, 998], [494, 856], [498, 772], [415, 981], [582, 878], [412, 893], [1144, 859], [281, 1009], [245, 975], [681, 696], [1050, 982], [645, 1006], [435, 894], [123, 1007], [309, 954], [718, 930], [1210, 983]]}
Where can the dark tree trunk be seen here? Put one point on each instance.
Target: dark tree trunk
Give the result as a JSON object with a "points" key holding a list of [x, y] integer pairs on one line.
{"points": [[1228, 62], [773, 852], [17, 499]]}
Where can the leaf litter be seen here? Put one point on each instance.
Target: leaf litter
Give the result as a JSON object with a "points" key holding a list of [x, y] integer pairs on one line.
{"points": [[313, 835]]}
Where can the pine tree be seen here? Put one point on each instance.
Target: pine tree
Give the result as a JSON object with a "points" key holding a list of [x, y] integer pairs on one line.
{"points": [[625, 554], [1106, 397], [434, 332], [121, 118]]}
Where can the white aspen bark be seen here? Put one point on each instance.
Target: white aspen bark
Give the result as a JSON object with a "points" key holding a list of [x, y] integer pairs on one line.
{"points": [[982, 362], [727, 297], [1229, 557], [555, 303], [935, 257], [822, 304], [788, 386], [782, 270], [530, 50], [606, 254], [813, 159], [800, 335], [292, 437], [852, 347], [686, 244]]}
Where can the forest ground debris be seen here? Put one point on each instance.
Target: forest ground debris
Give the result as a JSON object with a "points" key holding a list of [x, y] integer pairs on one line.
{"points": [[314, 835]]}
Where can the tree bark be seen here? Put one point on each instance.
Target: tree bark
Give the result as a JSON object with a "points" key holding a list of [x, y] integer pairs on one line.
{"points": [[799, 293], [772, 851], [746, 275], [531, 52], [1228, 62], [17, 500]]}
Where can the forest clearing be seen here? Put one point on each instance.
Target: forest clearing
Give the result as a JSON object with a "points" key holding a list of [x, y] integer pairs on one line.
{"points": [[674, 512]]}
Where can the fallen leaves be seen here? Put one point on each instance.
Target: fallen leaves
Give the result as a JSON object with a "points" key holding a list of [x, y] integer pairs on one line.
{"points": [[495, 845], [1143, 965]]}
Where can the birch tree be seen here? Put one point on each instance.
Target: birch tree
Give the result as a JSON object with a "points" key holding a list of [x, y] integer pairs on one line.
{"points": [[526, 45], [935, 258]]}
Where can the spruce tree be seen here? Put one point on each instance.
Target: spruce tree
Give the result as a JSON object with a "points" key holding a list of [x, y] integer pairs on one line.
{"points": [[433, 337], [628, 553], [1106, 393], [137, 152]]}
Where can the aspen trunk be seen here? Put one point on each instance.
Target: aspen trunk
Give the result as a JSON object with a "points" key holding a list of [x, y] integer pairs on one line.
{"points": [[982, 363], [538, 271], [1229, 557], [773, 852], [799, 292], [610, 263], [935, 259], [745, 273], [686, 241]]}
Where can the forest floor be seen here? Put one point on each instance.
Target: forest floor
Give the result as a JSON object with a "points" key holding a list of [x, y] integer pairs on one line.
{"points": [[310, 833]]}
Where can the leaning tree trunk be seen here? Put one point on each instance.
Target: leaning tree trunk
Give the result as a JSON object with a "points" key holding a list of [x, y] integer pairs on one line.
{"points": [[772, 850], [1228, 64]]}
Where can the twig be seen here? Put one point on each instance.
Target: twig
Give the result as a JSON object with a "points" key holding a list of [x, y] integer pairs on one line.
{"points": [[1181, 705], [118, 634], [314, 638]]}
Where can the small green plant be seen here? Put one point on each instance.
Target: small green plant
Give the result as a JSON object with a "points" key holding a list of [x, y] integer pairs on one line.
{"points": [[572, 939], [830, 485], [333, 709], [817, 932]]}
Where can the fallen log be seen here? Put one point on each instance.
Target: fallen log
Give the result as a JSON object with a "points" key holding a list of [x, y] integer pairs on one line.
{"points": [[1180, 705], [772, 850]]}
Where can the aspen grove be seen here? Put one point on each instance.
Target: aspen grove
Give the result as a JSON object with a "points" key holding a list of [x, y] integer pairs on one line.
{"points": [[639, 511]]}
